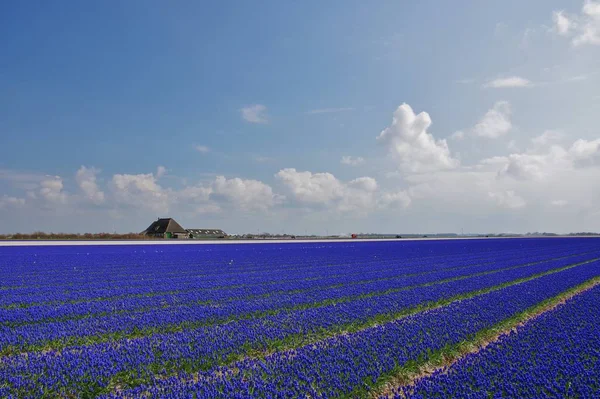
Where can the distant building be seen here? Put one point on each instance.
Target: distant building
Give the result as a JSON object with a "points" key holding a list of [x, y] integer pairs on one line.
{"points": [[165, 228], [206, 233]]}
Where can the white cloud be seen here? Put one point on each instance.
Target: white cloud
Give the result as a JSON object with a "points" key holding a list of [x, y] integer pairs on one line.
{"points": [[141, 190], [589, 26], [23, 180], [352, 161], [359, 196], [508, 199], [394, 199], [247, 194], [458, 135], [367, 184], [202, 149], [488, 196], [562, 23], [546, 138], [493, 161], [495, 123], [583, 28], [584, 149], [508, 82], [255, 113], [554, 178], [545, 162], [8, 201], [160, 171], [86, 179], [317, 188], [531, 166], [194, 194], [512, 145], [52, 190], [208, 209], [414, 148], [461, 191]]}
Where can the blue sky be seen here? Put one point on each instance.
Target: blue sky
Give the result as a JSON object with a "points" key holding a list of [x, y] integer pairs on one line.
{"points": [[246, 115]]}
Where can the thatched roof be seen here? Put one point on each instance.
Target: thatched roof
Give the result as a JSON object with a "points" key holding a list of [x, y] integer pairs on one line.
{"points": [[166, 225]]}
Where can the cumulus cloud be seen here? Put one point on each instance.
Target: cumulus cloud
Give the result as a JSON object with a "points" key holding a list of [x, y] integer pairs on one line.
{"points": [[352, 161], [255, 113], [86, 179], [509, 82], [507, 199], [583, 28], [547, 174], [358, 196], [458, 191], [544, 163], [585, 150], [160, 172], [7, 201], [141, 190], [193, 194], [394, 199], [208, 209], [534, 166], [308, 187], [458, 135], [23, 180], [246, 193], [495, 123], [144, 191], [562, 23], [364, 183], [561, 178], [52, 190], [464, 195], [547, 138], [415, 149]]}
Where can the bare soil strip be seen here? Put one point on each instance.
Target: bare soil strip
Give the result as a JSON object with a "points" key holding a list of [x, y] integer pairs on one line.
{"points": [[441, 361]]}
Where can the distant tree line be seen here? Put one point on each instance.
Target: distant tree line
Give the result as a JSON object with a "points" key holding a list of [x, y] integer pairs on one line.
{"points": [[40, 235], [585, 233]]}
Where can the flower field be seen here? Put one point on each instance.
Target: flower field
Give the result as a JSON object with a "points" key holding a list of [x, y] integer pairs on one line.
{"points": [[447, 318]]}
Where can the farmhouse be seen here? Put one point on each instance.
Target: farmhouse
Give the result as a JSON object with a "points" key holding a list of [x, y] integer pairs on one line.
{"points": [[165, 228], [206, 233], [169, 228]]}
